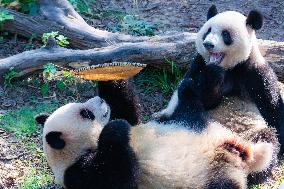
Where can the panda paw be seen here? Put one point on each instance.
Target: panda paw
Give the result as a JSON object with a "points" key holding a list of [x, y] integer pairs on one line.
{"points": [[115, 134], [187, 88]]}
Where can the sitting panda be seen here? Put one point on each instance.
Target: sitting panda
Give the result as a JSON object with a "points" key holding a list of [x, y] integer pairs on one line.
{"points": [[86, 150], [228, 40]]}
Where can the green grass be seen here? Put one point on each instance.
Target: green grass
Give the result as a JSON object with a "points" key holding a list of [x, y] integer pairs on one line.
{"points": [[165, 79], [21, 121], [35, 179], [274, 184], [38, 175]]}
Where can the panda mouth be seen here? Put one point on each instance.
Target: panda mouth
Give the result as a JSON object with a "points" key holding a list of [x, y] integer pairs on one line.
{"points": [[216, 57]]}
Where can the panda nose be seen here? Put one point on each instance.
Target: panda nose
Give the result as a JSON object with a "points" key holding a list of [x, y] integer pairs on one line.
{"points": [[208, 45]]}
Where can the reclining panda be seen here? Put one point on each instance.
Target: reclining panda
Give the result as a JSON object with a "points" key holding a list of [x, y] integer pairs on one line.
{"points": [[86, 150]]}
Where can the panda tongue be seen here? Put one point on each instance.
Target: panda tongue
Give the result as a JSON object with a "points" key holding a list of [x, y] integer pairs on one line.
{"points": [[215, 57]]}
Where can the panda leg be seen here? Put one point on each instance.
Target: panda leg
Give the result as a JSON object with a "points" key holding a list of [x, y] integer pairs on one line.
{"points": [[116, 159], [222, 183], [122, 100], [267, 135], [112, 165]]}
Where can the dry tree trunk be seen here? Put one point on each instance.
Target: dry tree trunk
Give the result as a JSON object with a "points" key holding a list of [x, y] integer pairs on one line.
{"points": [[102, 46]]}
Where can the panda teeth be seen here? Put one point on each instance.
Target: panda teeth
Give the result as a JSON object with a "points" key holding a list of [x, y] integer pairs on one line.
{"points": [[216, 58]]}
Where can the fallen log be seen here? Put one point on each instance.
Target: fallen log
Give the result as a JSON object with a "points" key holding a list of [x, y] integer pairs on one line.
{"points": [[142, 52]]}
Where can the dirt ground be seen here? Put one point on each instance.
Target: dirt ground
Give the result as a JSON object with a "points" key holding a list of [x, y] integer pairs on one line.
{"points": [[189, 15], [177, 15]]}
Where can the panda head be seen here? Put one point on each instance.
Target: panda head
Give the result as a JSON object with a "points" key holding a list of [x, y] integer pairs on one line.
{"points": [[70, 131], [228, 38]]}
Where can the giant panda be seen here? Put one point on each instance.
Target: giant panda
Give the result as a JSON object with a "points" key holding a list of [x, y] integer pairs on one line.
{"points": [[253, 100], [85, 150], [228, 39]]}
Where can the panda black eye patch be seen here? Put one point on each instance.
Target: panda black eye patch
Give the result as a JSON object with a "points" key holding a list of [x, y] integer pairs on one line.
{"points": [[204, 36], [54, 140], [87, 114], [227, 37]]}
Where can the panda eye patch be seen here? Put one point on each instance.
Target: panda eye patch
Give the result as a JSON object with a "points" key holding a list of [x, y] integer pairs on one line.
{"points": [[227, 37], [55, 141], [87, 114], [204, 36]]}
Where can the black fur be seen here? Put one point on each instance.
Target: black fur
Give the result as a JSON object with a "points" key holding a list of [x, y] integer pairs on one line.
{"points": [[208, 45], [122, 100], [41, 118], [222, 183], [54, 140], [189, 111], [196, 93], [87, 114], [255, 20], [227, 37], [209, 81], [260, 83], [212, 12], [112, 166]]}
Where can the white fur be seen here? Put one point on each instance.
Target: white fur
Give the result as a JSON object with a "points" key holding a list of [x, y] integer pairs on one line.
{"points": [[244, 39]]}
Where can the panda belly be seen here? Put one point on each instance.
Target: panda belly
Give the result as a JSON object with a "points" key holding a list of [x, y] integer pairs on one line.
{"points": [[242, 116], [170, 157], [239, 115]]}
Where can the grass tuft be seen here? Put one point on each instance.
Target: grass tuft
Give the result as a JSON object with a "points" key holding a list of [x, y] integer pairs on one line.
{"points": [[164, 79], [35, 179], [21, 121]]}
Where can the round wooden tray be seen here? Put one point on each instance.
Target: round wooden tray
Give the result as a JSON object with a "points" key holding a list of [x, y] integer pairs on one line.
{"points": [[109, 71]]}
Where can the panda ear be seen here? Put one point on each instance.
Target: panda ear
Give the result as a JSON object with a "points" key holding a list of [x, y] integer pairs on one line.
{"points": [[41, 118], [212, 12], [255, 20]]}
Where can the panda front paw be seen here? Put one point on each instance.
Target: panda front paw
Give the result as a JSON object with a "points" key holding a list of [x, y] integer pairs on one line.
{"points": [[187, 89], [115, 134], [214, 74]]}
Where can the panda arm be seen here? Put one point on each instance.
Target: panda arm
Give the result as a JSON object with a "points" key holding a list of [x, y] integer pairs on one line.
{"points": [[112, 165], [196, 94], [262, 87], [197, 64], [189, 109], [122, 100]]}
